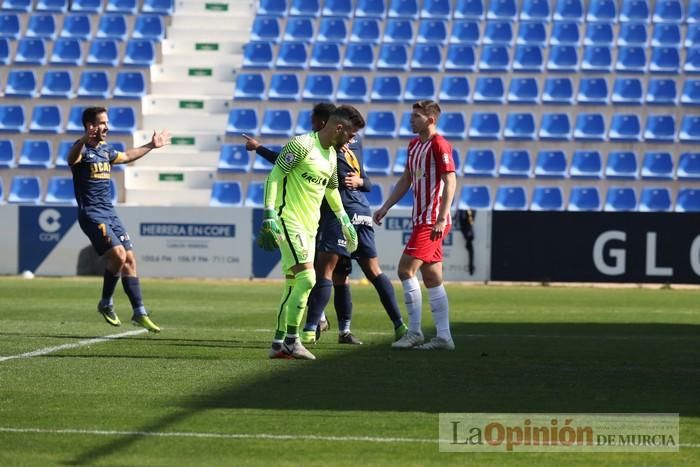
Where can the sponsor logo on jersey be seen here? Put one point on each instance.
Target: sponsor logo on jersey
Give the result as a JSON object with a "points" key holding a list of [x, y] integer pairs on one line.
{"points": [[315, 179]]}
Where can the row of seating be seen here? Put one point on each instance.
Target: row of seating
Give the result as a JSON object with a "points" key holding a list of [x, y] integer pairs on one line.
{"points": [[131, 7], [672, 11], [38, 154], [27, 189], [49, 119], [355, 88], [62, 84], [440, 31], [71, 52]]}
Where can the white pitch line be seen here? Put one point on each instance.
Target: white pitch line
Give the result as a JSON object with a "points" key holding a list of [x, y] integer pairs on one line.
{"points": [[75, 345]]}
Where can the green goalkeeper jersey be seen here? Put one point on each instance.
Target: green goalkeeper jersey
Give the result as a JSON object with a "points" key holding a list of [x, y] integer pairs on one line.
{"points": [[303, 171]]}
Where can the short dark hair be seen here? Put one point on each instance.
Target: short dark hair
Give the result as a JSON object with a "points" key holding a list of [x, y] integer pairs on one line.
{"points": [[349, 115], [323, 111], [90, 114], [428, 107]]}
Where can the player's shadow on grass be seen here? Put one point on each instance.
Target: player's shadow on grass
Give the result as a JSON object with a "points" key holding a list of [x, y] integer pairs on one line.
{"points": [[518, 367]]}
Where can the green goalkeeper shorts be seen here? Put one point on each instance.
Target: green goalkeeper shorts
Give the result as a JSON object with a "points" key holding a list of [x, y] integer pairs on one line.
{"points": [[298, 247]]}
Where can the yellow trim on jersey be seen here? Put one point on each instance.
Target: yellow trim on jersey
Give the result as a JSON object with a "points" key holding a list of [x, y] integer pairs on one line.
{"points": [[120, 159]]}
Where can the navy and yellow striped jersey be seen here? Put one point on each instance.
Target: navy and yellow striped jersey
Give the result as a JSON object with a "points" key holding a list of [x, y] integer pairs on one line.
{"points": [[91, 178]]}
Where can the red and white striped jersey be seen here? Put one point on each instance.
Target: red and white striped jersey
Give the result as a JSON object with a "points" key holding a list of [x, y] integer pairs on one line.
{"points": [[427, 162]]}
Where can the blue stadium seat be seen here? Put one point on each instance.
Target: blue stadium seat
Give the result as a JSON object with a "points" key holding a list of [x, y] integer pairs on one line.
{"points": [[257, 55], [103, 52], [625, 127], [365, 30], [510, 198], [457, 159], [535, 10], [406, 202], [531, 33], [21, 83], [690, 129], [558, 91], [318, 87], [25, 189], [386, 89], [54, 6], [277, 123], [480, 163], [528, 58], [398, 30], [352, 88], [122, 120], [693, 15], [242, 121], [47, 119], [584, 198], [692, 37], [547, 198], [620, 199], [86, 6], [265, 28], [93, 84], [292, 55], [666, 35], [454, 89], [380, 124], [129, 85], [126, 7], [272, 7], [621, 165], [226, 193], [30, 51], [498, 32], [112, 27], [17, 5], [692, 60], [441, 9], [657, 166], [391, 57], [634, 11], [668, 11], [233, 158], [502, 9], [57, 84], [494, 58], [665, 60], [77, 26], [632, 34], [426, 57], [304, 8], [586, 164], [589, 127], [489, 90], [41, 25], [485, 125], [592, 91], [67, 52], [563, 58], [149, 27], [400, 161], [597, 58], [475, 197], [599, 34], [466, 32], [515, 163], [519, 126], [60, 191], [4, 51], [631, 59], [550, 164], [655, 199], [361, 57], [687, 200], [299, 30], [432, 31], [689, 166], [555, 127], [469, 9], [35, 154], [262, 165], [377, 161], [691, 92], [75, 120], [303, 122], [10, 25], [460, 57], [7, 154], [660, 129], [418, 88], [160, 7], [284, 87], [405, 130], [403, 9], [568, 10], [452, 125], [375, 196], [249, 86], [627, 91], [337, 8], [370, 8], [12, 118], [602, 11], [523, 91], [565, 33]]}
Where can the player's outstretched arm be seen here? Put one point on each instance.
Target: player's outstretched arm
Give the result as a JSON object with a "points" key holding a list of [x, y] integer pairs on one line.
{"points": [[335, 202], [90, 136], [158, 140], [252, 144], [400, 189]]}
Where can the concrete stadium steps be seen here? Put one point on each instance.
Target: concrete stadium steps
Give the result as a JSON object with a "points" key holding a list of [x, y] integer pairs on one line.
{"points": [[187, 73], [205, 47], [171, 156], [179, 123], [202, 88], [186, 104], [150, 197], [222, 7], [184, 140], [168, 185]]}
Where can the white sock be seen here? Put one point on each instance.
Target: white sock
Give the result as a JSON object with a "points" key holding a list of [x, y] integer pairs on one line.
{"points": [[323, 317], [414, 302], [441, 311]]}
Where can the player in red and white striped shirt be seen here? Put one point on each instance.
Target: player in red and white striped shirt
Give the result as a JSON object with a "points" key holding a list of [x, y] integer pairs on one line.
{"points": [[430, 172]]}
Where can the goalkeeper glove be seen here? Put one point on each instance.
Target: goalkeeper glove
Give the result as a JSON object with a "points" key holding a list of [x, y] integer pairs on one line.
{"points": [[348, 232], [270, 233]]}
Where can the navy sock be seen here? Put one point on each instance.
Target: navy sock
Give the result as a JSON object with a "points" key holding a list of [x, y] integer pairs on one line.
{"points": [[132, 287], [108, 285], [343, 307], [318, 300], [388, 298]]}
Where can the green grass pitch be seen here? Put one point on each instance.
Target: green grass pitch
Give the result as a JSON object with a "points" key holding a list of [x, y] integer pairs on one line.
{"points": [[203, 392]]}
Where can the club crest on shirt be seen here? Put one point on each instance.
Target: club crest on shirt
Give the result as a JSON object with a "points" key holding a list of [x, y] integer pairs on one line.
{"points": [[289, 157], [446, 158]]}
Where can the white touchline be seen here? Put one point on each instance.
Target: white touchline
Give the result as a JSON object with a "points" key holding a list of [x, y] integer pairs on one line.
{"points": [[75, 345]]}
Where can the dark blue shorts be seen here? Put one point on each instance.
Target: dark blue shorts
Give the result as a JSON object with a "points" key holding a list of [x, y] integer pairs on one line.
{"points": [[104, 232], [331, 240]]}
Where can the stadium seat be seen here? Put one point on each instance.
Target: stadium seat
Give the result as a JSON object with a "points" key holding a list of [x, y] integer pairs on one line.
{"points": [[563, 58], [377, 161], [277, 123], [126, 7], [523, 91], [547, 198], [386, 89], [93, 84], [687, 200], [657, 166], [621, 165], [441, 9], [365, 30], [405, 130], [242, 120], [498, 32], [7, 154], [75, 120], [426, 57], [406, 201], [634, 11], [30, 51], [160, 7], [4, 51], [480, 163], [627, 91], [550, 164], [361, 57], [489, 90], [400, 161], [662, 92], [103, 52], [592, 91], [122, 120], [475, 197], [690, 129], [292, 55], [689, 166], [655, 199], [67, 52], [666, 35], [380, 124], [589, 127], [352, 88], [452, 125], [515, 163], [565, 33], [341, 8], [597, 59], [233, 158], [262, 165], [418, 88], [693, 15], [304, 8], [510, 198], [76, 26], [692, 37], [112, 27], [249, 86], [61, 161], [10, 25], [272, 7], [303, 122], [403, 9], [519, 126], [586, 164], [584, 198], [41, 25], [53, 6], [399, 31], [485, 126], [17, 5], [457, 159], [57, 84], [631, 59], [432, 31], [466, 32], [60, 191], [149, 27], [602, 11], [318, 87], [35, 154], [568, 10], [284, 87], [660, 129], [555, 126], [625, 127], [129, 85], [469, 9], [692, 60], [619, 199], [502, 9], [494, 58], [528, 58], [532, 33], [391, 57], [599, 34], [668, 11], [87, 6], [558, 91], [665, 60], [25, 189], [370, 8], [257, 55], [226, 193], [454, 89], [299, 30], [11, 118], [534, 10], [21, 83], [460, 58], [375, 196], [46, 119], [265, 28]]}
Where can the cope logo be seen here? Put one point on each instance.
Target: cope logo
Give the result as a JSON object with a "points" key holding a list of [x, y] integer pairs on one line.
{"points": [[49, 225]]}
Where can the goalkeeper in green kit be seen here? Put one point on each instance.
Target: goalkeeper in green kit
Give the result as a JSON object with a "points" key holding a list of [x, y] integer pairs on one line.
{"points": [[304, 173]]}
